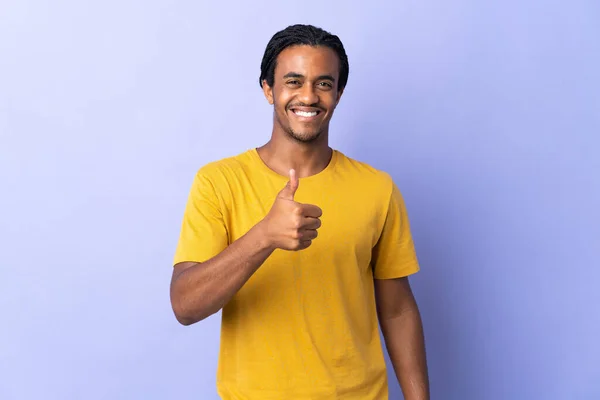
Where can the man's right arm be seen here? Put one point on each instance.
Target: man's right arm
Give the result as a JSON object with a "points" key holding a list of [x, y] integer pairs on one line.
{"points": [[199, 290]]}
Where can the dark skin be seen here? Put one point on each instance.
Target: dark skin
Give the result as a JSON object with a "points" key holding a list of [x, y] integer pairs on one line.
{"points": [[402, 330], [305, 80], [304, 96]]}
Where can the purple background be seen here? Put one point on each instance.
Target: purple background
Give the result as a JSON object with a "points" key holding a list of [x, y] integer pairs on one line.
{"points": [[487, 115]]}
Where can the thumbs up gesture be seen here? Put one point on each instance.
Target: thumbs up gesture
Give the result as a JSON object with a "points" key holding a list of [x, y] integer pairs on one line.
{"points": [[290, 225]]}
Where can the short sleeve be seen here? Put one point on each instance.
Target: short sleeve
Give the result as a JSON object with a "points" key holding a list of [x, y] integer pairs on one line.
{"points": [[394, 254], [203, 232]]}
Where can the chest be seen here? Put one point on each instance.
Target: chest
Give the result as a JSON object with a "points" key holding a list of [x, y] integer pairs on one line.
{"points": [[350, 224]]}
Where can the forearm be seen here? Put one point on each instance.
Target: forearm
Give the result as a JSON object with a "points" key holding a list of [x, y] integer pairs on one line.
{"points": [[405, 343], [204, 288]]}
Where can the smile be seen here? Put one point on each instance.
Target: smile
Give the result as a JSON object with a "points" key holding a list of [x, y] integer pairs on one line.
{"points": [[305, 114]]}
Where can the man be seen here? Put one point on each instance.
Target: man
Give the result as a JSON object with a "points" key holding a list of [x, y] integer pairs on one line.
{"points": [[304, 249]]}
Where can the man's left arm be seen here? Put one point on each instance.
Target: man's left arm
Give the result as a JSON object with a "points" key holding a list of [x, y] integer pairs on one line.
{"points": [[402, 329]]}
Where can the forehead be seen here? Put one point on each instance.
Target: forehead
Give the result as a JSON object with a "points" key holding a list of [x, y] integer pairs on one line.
{"points": [[308, 61]]}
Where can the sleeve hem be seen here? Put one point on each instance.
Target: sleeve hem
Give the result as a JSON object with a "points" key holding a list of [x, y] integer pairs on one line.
{"points": [[407, 271], [187, 259]]}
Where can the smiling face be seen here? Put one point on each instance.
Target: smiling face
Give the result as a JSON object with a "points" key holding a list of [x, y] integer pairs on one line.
{"points": [[305, 91]]}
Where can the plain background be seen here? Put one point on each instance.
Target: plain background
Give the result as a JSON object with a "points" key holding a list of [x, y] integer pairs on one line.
{"points": [[487, 115]]}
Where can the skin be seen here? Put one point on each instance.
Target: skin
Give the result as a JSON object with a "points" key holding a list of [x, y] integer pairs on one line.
{"points": [[305, 80], [402, 330]]}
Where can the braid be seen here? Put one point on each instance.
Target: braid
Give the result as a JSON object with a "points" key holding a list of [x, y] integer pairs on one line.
{"points": [[301, 35]]}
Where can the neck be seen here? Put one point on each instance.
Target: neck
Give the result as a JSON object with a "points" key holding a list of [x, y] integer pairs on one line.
{"points": [[281, 153]]}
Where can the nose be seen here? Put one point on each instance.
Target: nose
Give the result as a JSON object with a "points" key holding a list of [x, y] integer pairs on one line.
{"points": [[308, 95]]}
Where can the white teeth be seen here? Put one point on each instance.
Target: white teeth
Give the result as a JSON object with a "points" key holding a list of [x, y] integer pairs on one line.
{"points": [[305, 114]]}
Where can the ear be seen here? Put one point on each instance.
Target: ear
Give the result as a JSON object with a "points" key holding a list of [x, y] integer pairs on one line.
{"points": [[268, 91], [339, 96]]}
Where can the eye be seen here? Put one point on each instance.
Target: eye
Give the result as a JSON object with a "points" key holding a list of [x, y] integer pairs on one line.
{"points": [[326, 85], [293, 82]]}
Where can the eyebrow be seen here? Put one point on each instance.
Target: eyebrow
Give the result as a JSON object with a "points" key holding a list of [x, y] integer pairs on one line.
{"points": [[319, 78]]}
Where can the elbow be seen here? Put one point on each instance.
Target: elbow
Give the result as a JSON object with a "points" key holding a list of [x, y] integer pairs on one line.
{"points": [[186, 317], [182, 315], [190, 308], [185, 321]]}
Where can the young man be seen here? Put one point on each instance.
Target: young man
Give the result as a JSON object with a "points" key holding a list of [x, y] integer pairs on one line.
{"points": [[303, 248]]}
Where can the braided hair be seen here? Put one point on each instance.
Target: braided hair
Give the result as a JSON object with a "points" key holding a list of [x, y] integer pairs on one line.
{"points": [[301, 35]]}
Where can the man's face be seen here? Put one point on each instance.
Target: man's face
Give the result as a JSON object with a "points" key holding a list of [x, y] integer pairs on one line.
{"points": [[305, 91]]}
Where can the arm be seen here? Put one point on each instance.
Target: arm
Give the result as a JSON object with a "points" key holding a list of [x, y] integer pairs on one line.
{"points": [[402, 329], [199, 290]]}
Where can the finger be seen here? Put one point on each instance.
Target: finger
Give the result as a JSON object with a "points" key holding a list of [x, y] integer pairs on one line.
{"points": [[304, 244], [311, 223], [290, 188], [310, 234], [309, 210]]}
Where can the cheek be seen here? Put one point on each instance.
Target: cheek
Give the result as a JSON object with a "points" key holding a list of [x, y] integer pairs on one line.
{"points": [[330, 99], [281, 103]]}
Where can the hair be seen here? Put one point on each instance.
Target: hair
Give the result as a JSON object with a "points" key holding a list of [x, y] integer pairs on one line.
{"points": [[295, 35]]}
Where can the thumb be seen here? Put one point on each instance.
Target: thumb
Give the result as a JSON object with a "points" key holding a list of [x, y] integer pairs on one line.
{"points": [[289, 190]]}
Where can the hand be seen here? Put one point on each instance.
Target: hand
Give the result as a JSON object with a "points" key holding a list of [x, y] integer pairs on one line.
{"points": [[290, 225]]}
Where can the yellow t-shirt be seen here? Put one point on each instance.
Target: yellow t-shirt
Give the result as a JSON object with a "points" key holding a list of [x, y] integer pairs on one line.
{"points": [[304, 326]]}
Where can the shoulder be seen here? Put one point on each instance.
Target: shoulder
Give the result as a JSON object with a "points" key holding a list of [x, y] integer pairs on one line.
{"points": [[222, 170], [366, 175]]}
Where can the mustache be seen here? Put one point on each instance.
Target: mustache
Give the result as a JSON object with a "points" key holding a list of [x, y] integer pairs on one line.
{"points": [[315, 105]]}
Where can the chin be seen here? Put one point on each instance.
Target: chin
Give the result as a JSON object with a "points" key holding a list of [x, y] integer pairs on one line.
{"points": [[304, 137]]}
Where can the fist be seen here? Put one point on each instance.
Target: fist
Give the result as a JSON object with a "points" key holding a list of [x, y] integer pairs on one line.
{"points": [[290, 225]]}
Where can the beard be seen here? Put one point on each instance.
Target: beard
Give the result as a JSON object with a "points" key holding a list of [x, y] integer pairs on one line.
{"points": [[302, 136]]}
